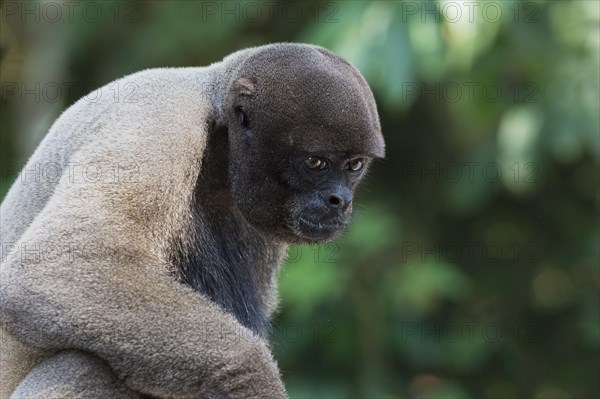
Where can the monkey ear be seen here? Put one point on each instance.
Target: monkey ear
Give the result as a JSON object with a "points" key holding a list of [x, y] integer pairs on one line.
{"points": [[244, 87]]}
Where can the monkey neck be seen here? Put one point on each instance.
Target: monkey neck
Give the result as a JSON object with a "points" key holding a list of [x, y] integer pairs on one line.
{"points": [[222, 255]]}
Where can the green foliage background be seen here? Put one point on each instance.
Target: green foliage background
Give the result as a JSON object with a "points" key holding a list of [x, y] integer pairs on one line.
{"points": [[472, 268]]}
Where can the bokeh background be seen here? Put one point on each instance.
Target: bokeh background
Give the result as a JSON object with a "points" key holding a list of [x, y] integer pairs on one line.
{"points": [[472, 268]]}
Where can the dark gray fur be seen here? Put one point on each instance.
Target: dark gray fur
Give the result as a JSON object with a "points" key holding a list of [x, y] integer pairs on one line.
{"points": [[226, 257]]}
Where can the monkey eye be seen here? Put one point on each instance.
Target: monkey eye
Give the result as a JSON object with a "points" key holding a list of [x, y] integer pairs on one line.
{"points": [[242, 119], [315, 163], [355, 165]]}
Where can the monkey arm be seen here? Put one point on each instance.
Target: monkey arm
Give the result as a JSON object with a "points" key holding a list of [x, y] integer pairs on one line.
{"points": [[73, 375], [159, 336], [158, 340]]}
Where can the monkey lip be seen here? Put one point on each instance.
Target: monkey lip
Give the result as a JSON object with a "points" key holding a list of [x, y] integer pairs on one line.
{"points": [[321, 226]]}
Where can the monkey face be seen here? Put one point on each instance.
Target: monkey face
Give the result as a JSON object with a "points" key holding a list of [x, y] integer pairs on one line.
{"points": [[322, 206], [298, 189], [307, 198], [303, 128]]}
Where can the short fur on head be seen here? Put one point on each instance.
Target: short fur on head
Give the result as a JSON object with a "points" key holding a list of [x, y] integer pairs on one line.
{"points": [[220, 168]]}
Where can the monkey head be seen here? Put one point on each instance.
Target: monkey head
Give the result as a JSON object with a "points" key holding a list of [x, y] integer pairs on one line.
{"points": [[303, 128]]}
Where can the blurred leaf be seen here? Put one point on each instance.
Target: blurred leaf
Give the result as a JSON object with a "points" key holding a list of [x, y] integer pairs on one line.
{"points": [[422, 286]]}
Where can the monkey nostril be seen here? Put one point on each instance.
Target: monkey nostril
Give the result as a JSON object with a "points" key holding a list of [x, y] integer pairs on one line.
{"points": [[334, 201], [338, 199]]}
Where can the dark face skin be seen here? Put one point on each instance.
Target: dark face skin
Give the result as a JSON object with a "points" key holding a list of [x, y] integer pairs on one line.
{"points": [[294, 194], [298, 147], [324, 207]]}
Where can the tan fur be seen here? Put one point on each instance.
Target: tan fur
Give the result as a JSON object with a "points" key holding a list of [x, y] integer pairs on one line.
{"points": [[89, 378], [158, 140]]}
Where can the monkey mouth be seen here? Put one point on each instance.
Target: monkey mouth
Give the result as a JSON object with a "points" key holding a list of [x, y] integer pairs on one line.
{"points": [[331, 225], [319, 230]]}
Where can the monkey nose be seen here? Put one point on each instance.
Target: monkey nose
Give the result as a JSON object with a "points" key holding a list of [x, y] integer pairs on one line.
{"points": [[338, 199]]}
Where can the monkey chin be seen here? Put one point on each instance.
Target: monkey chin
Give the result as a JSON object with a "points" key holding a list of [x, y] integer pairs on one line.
{"points": [[310, 232]]}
